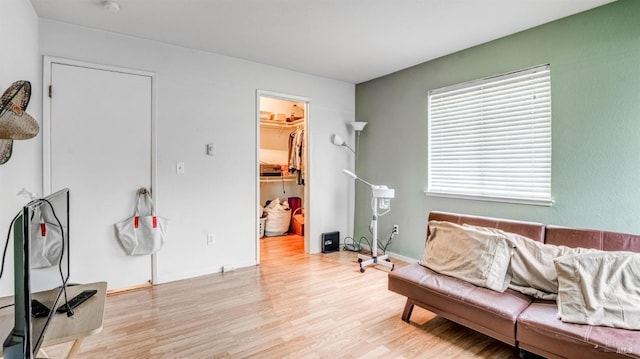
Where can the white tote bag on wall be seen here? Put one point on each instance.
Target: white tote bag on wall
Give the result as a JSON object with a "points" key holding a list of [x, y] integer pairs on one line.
{"points": [[144, 232], [47, 239]]}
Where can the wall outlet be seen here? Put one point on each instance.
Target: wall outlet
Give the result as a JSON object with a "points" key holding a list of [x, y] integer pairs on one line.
{"points": [[228, 268], [396, 229], [211, 239], [179, 167]]}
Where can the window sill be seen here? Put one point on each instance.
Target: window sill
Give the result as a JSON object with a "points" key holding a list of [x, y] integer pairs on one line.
{"points": [[532, 202]]}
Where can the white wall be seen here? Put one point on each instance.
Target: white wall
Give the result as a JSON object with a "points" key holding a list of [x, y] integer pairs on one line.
{"points": [[595, 156], [20, 61], [204, 98]]}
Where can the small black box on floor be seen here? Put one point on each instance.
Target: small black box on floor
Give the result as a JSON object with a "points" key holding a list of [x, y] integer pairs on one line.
{"points": [[330, 242]]}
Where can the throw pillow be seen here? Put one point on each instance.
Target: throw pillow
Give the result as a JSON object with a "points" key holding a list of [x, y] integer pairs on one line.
{"points": [[600, 288], [478, 257]]}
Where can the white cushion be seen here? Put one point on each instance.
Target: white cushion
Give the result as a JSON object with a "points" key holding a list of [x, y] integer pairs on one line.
{"points": [[478, 257], [600, 288]]}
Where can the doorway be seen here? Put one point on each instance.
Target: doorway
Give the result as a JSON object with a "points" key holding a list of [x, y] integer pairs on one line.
{"points": [[283, 169]]}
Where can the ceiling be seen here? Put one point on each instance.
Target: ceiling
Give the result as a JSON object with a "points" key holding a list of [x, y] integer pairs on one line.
{"points": [[348, 40]]}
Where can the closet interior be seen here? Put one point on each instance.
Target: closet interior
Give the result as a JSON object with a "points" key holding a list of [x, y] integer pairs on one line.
{"points": [[282, 167]]}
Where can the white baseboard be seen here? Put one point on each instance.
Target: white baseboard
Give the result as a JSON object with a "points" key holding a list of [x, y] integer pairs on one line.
{"points": [[402, 258], [393, 255]]}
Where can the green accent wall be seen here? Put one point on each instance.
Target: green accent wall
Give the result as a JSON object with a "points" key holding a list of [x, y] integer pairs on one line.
{"points": [[595, 85]]}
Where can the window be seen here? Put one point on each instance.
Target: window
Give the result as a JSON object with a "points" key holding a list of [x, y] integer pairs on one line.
{"points": [[491, 139]]}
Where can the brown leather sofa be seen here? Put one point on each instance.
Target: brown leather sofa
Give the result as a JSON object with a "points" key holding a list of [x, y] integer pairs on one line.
{"points": [[510, 316]]}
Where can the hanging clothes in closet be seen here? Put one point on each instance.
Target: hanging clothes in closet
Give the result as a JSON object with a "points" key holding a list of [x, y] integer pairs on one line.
{"points": [[296, 154]]}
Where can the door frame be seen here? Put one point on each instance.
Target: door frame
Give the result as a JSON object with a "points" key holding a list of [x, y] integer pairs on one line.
{"points": [[47, 63], [307, 156]]}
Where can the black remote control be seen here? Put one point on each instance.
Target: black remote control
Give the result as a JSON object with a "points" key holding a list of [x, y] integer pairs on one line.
{"points": [[38, 310], [77, 300]]}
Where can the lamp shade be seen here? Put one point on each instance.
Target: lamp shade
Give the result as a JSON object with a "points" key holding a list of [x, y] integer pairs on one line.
{"points": [[357, 126], [337, 140]]}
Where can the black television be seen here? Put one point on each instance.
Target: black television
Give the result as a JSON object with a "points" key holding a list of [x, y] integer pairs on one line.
{"points": [[41, 271]]}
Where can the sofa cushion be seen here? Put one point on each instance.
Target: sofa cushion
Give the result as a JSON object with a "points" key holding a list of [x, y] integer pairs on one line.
{"points": [[478, 257], [540, 331], [587, 238], [600, 288], [481, 309]]}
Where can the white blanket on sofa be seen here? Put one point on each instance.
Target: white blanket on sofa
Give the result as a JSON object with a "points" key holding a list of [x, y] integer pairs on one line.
{"points": [[531, 268], [600, 288]]}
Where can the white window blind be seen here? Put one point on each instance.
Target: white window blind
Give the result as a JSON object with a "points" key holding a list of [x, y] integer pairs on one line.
{"points": [[491, 138]]}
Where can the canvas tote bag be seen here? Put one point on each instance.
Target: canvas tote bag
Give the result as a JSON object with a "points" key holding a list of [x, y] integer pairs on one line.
{"points": [[144, 232], [47, 240]]}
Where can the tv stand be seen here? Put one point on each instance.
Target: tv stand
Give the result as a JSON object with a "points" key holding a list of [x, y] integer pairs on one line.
{"points": [[86, 320]]}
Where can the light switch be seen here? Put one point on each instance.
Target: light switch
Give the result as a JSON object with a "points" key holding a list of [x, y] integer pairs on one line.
{"points": [[179, 167], [211, 149]]}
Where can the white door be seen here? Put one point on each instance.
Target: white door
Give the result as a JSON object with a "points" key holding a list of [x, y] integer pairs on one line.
{"points": [[99, 145]]}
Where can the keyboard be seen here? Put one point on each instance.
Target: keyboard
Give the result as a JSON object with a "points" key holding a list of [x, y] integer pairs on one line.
{"points": [[76, 301]]}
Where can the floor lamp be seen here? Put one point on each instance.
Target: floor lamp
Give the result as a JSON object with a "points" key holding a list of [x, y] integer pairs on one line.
{"points": [[357, 126], [339, 141], [381, 196]]}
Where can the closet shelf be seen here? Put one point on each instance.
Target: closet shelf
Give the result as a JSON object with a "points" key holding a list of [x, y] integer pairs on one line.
{"points": [[264, 179], [268, 123]]}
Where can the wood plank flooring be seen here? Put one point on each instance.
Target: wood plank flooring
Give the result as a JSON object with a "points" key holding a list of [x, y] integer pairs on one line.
{"points": [[291, 306]]}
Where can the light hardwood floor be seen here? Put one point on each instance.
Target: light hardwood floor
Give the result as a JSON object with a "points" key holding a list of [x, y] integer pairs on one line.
{"points": [[291, 306]]}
